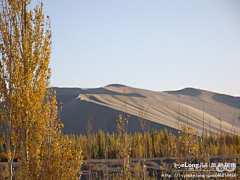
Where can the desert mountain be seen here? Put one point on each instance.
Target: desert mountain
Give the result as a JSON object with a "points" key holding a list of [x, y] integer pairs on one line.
{"points": [[170, 109]]}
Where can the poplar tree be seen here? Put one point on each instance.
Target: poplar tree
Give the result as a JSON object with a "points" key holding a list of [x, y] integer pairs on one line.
{"points": [[28, 109]]}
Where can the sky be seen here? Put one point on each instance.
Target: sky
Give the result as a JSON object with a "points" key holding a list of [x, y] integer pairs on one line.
{"points": [[150, 44]]}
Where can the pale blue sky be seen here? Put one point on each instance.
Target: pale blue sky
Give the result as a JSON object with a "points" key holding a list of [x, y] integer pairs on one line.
{"points": [[150, 44]]}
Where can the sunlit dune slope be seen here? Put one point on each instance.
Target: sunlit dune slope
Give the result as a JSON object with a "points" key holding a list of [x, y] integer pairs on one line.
{"points": [[171, 109]]}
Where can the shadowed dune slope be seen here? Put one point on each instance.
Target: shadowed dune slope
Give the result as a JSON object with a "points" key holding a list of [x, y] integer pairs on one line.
{"points": [[171, 109]]}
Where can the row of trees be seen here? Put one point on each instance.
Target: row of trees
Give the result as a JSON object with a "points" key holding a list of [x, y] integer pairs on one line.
{"points": [[187, 146], [160, 144]]}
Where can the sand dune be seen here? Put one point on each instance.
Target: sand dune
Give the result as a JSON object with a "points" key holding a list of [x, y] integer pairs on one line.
{"points": [[171, 109]]}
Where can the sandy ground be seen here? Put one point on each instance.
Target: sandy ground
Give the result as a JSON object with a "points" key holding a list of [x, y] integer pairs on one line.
{"points": [[172, 109]]}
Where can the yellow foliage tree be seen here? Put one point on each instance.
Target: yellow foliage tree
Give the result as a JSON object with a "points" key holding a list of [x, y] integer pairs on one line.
{"points": [[29, 113], [123, 142]]}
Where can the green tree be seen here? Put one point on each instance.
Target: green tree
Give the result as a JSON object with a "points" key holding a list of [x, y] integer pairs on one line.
{"points": [[101, 143]]}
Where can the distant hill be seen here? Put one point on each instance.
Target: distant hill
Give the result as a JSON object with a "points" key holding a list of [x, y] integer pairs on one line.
{"points": [[170, 109]]}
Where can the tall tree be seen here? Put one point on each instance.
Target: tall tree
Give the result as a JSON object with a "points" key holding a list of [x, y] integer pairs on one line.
{"points": [[28, 108]]}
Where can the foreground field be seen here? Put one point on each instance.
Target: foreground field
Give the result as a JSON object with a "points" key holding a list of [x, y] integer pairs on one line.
{"points": [[156, 167]]}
